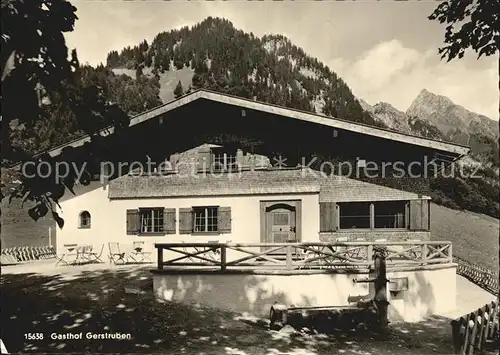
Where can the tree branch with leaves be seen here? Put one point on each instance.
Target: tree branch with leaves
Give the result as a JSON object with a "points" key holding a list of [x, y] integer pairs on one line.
{"points": [[473, 24], [38, 75]]}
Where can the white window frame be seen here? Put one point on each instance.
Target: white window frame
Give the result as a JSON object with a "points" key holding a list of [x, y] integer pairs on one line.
{"points": [[80, 220], [224, 162], [157, 220], [205, 214]]}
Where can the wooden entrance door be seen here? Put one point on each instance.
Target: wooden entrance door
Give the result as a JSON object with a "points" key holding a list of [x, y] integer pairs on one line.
{"points": [[281, 224]]}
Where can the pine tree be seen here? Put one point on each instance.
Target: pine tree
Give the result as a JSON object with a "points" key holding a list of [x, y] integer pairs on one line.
{"points": [[138, 71], [179, 91]]}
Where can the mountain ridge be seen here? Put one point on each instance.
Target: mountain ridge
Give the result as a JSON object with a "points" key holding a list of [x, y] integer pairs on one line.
{"points": [[273, 70]]}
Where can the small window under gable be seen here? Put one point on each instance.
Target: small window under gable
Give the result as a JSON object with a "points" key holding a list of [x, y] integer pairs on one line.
{"points": [[84, 220], [224, 161], [217, 159]]}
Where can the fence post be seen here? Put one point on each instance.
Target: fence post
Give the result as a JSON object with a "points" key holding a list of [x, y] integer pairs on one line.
{"points": [[369, 255], [455, 331], [160, 257], [425, 253], [289, 257], [450, 253], [473, 337], [223, 258]]}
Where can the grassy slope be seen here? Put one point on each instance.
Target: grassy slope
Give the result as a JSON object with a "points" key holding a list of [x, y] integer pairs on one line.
{"points": [[18, 229], [474, 236]]}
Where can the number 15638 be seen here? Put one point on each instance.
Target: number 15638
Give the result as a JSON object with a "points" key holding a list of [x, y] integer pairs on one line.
{"points": [[33, 336]]}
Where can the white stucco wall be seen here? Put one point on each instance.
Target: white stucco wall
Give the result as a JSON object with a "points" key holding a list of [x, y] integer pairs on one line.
{"points": [[108, 219], [431, 290]]}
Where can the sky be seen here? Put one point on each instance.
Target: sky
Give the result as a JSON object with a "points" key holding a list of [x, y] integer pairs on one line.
{"points": [[385, 50]]}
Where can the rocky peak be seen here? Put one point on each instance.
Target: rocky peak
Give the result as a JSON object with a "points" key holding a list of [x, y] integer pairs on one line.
{"points": [[449, 117], [387, 114]]}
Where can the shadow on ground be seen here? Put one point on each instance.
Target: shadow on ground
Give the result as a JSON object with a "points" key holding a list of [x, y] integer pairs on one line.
{"points": [[121, 301]]}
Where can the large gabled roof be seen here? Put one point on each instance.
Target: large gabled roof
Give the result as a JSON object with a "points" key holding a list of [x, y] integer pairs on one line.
{"points": [[455, 151]]}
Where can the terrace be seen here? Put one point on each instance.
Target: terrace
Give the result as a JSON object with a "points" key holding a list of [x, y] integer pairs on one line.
{"points": [[421, 275]]}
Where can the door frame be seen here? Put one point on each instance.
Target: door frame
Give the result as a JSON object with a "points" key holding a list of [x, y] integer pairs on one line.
{"points": [[295, 204]]}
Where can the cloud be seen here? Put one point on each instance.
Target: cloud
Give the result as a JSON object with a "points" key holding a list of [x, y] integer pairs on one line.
{"points": [[394, 73]]}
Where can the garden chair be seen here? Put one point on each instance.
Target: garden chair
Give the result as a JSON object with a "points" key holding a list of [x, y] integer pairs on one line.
{"points": [[139, 255], [213, 253], [96, 257], [115, 255], [69, 251], [84, 253], [209, 253]]}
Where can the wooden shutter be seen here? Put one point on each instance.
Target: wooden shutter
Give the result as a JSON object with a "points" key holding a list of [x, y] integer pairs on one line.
{"points": [[169, 220], [419, 215], [204, 159], [185, 221], [133, 222], [224, 220], [328, 217]]}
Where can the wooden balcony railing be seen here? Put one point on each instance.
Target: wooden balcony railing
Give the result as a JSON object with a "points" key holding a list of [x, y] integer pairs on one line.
{"points": [[290, 256]]}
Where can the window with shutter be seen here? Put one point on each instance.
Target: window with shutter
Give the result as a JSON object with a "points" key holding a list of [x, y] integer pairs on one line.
{"points": [[185, 221], [206, 219], [152, 220], [169, 220]]}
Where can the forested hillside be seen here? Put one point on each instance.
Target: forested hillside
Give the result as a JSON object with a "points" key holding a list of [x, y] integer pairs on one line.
{"points": [[215, 55]]}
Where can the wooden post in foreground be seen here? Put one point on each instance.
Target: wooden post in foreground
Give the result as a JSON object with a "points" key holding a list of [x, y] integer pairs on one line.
{"points": [[160, 257], [380, 284]]}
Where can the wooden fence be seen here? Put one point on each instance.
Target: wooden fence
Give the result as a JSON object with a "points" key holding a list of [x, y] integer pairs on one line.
{"points": [[483, 277], [301, 255], [29, 253], [474, 332]]}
